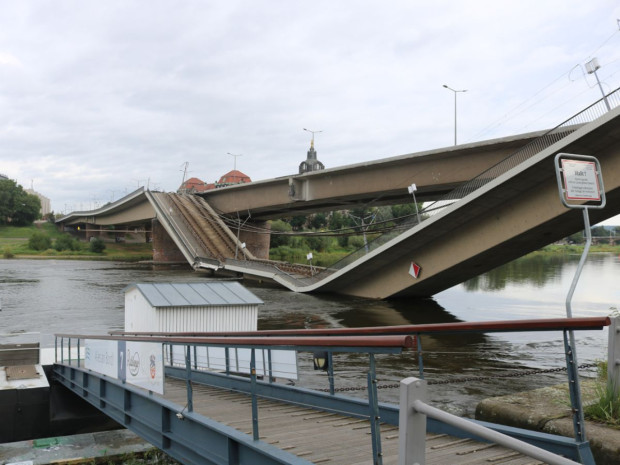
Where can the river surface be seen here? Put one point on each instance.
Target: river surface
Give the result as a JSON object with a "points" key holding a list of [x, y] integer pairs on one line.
{"points": [[50, 296]]}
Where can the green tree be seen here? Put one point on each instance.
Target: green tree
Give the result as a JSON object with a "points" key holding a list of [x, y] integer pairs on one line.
{"points": [[17, 207], [298, 222], [279, 226], [318, 221]]}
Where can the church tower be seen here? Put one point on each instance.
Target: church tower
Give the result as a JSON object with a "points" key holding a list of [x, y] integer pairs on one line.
{"points": [[311, 163]]}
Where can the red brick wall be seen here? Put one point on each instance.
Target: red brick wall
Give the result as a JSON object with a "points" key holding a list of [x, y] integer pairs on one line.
{"points": [[164, 248], [257, 244]]}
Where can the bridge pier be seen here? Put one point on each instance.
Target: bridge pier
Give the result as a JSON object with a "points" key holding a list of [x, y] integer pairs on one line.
{"points": [[164, 248], [257, 242]]}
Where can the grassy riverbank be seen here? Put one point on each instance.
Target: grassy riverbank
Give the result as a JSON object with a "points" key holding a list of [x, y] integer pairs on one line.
{"points": [[14, 244]]}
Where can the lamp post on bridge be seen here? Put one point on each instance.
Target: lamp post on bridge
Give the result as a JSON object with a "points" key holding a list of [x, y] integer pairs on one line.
{"points": [[591, 67], [235, 155], [455, 92]]}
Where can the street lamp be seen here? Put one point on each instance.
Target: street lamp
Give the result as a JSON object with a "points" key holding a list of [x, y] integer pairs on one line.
{"points": [[313, 133], [455, 92], [412, 188], [591, 67], [235, 156]]}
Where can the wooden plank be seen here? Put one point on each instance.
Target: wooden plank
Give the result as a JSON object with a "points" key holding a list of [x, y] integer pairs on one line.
{"points": [[328, 438]]}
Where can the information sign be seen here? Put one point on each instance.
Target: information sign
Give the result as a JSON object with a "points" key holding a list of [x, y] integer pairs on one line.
{"points": [[580, 182]]}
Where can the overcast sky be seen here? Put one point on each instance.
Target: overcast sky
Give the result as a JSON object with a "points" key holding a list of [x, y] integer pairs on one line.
{"points": [[100, 97]]}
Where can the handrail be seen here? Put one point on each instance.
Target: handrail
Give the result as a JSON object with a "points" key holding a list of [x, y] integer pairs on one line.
{"points": [[362, 342], [325, 342], [412, 430], [544, 324]]}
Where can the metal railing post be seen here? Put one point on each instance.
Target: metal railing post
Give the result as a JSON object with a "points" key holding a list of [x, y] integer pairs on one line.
{"points": [[188, 378], [574, 389], [420, 359], [254, 399], [330, 372], [375, 419], [227, 360], [613, 357], [411, 424]]}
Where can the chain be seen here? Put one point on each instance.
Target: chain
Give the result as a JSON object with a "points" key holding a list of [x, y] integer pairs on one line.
{"points": [[468, 379]]}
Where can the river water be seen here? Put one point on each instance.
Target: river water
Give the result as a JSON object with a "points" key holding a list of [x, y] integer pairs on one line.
{"points": [[86, 297]]}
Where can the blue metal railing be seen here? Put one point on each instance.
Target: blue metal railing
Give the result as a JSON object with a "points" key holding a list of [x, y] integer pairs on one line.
{"points": [[331, 401], [223, 376]]}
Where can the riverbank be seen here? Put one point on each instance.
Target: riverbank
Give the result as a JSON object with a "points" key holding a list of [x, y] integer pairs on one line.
{"points": [[14, 244], [548, 410]]}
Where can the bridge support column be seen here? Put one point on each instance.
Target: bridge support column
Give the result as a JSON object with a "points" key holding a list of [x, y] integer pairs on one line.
{"points": [[164, 248], [257, 242], [92, 230]]}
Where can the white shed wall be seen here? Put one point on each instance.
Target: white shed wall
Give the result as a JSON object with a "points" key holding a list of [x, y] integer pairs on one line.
{"points": [[228, 318], [140, 316]]}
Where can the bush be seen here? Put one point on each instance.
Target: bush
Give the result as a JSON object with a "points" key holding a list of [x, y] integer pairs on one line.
{"points": [[39, 241], [8, 253], [66, 242], [96, 245]]}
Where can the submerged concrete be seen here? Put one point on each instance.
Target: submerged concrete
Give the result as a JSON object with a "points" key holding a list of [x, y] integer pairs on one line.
{"points": [[548, 410]]}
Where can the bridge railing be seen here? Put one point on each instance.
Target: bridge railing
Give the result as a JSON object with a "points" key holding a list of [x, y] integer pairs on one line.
{"points": [[412, 428], [589, 114], [74, 346], [577, 448]]}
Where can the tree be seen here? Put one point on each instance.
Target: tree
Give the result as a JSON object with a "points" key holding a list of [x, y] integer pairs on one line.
{"points": [[279, 226], [318, 221], [17, 207]]}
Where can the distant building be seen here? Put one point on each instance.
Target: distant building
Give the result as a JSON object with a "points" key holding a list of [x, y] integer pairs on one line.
{"points": [[231, 178], [195, 185], [46, 205], [3, 176], [311, 163]]}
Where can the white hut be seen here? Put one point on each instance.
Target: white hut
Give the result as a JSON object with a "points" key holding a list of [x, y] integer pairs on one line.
{"points": [[190, 307]]}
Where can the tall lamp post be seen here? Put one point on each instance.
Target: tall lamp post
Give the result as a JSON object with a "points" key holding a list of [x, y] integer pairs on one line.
{"points": [[591, 67], [313, 133], [235, 155], [455, 92]]}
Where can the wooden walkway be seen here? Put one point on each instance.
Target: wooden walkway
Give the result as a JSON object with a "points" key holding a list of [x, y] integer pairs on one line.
{"points": [[329, 438]]}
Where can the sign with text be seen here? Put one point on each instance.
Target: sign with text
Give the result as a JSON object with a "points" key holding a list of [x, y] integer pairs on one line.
{"points": [[580, 181], [137, 363]]}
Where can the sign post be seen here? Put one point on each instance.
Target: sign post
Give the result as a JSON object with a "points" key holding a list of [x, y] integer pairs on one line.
{"points": [[580, 184]]}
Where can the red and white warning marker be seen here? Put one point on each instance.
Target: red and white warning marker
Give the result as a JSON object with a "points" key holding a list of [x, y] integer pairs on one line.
{"points": [[414, 270]]}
